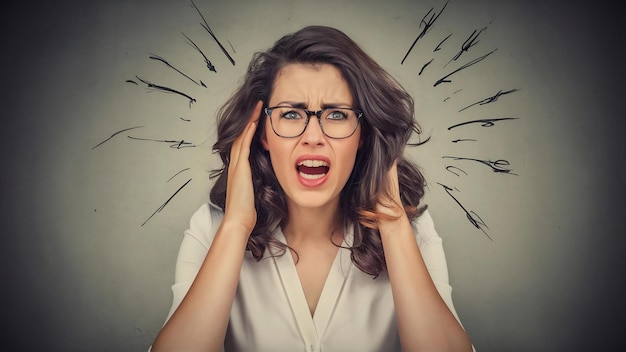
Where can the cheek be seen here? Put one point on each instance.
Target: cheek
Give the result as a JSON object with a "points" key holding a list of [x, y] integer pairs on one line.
{"points": [[356, 145], [348, 158], [279, 152]]}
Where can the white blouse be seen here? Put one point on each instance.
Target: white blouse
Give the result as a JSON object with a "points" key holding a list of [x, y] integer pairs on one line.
{"points": [[355, 312]]}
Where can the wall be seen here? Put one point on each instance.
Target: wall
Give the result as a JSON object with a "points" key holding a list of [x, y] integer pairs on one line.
{"points": [[96, 169]]}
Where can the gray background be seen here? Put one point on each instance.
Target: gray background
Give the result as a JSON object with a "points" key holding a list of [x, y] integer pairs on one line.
{"points": [[83, 270]]}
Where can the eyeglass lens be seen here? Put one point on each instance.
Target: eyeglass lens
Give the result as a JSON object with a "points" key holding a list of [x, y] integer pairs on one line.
{"points": [[335, 122]]}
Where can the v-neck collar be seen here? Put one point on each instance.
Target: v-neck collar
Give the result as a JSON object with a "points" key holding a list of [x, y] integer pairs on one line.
{"points": [[313, 327]]}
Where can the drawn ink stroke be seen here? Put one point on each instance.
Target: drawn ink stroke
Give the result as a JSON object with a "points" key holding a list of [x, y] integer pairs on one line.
{"points": [[158, 58], [428, 24], [445, 79], [167, 90], [113, 135], [166, 202], [470, 42], [483, 122], [208, 62], [173, 143], [491, 99], [498, 166], [473, 218], [205, 25]]}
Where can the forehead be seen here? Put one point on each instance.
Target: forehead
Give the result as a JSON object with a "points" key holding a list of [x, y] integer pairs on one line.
{"points": [[311, 83]]}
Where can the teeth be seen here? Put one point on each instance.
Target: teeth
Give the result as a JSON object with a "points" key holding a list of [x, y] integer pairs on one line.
{"points": [[313, 163], [311, 177]]}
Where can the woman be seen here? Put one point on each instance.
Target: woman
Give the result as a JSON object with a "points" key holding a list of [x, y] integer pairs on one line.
{"points": [[316, 239]]}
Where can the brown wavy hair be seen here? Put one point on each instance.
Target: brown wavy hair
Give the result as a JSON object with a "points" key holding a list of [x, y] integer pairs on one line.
{"points": [[387, 124]]}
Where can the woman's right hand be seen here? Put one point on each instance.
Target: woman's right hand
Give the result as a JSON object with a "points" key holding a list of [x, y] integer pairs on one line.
{"points": [[201, 320], [240, 209]]}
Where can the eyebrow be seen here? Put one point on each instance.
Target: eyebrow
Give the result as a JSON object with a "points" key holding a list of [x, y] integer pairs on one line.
{"points": [[302, 105]]}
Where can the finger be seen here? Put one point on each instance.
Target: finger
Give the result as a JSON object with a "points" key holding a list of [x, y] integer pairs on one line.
{"points": [[241, 150], [244, 152], [394, 182], [256, 112], [235, 151]]}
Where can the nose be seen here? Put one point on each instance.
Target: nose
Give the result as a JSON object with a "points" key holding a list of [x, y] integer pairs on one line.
{"points": [[313, 134]]}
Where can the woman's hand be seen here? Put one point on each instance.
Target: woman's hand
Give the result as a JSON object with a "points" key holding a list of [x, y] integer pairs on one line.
{"points": [[201, 320], [240, 207], [389, 204], [425, 323]]}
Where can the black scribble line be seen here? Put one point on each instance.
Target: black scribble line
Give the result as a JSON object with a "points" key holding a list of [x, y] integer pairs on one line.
{"points": [[454, 167], [469, 42], [167, 90], [173, 143], [158, 58], [131, 81], [427, 26], [186, 120], [205, 25], [208, 63], [423, 67], [497, 166], [438, 47], [419, 141], [491, 99], [483, 122], [456, 91], [166, 202], [445, 79], [178, 173], [464, 140], [473, 218], [113, 135]]}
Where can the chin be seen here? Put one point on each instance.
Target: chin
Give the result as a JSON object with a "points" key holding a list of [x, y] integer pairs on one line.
{"points": [[313, 199]]}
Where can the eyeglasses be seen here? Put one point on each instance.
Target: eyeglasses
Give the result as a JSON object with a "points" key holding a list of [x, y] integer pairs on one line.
{"points": [[336, 123]]}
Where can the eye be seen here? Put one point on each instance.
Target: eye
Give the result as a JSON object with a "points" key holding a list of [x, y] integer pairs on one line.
{"points": [[290, 114], [337, 115]]}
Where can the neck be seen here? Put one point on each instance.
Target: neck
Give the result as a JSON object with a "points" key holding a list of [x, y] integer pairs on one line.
{"points": [[306, 224]]}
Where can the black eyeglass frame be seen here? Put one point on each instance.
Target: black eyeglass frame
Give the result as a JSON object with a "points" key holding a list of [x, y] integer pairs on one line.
{"points": [[309, 113]]}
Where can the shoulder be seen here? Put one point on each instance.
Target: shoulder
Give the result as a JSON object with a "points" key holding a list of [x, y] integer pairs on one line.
{"points": [[425, 232], [431, 247], [204, 223]]}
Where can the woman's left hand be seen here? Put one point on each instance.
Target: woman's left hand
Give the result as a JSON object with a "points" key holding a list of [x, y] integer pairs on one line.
{"points": [[389, 202]]}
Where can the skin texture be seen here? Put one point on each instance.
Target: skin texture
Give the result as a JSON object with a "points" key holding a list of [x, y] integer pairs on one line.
{"points": [[312, 87], [199, 324], [312, 210]]}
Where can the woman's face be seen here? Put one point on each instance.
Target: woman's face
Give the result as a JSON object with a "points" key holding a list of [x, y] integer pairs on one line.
{"points": [[312, 168]]}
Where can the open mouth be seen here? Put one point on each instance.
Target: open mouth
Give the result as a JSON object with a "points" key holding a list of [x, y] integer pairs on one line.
{"points": [[312, 169]]}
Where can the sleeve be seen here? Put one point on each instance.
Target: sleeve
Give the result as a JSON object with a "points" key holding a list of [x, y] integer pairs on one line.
{"points": [[431, 247], [195, 244]]}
